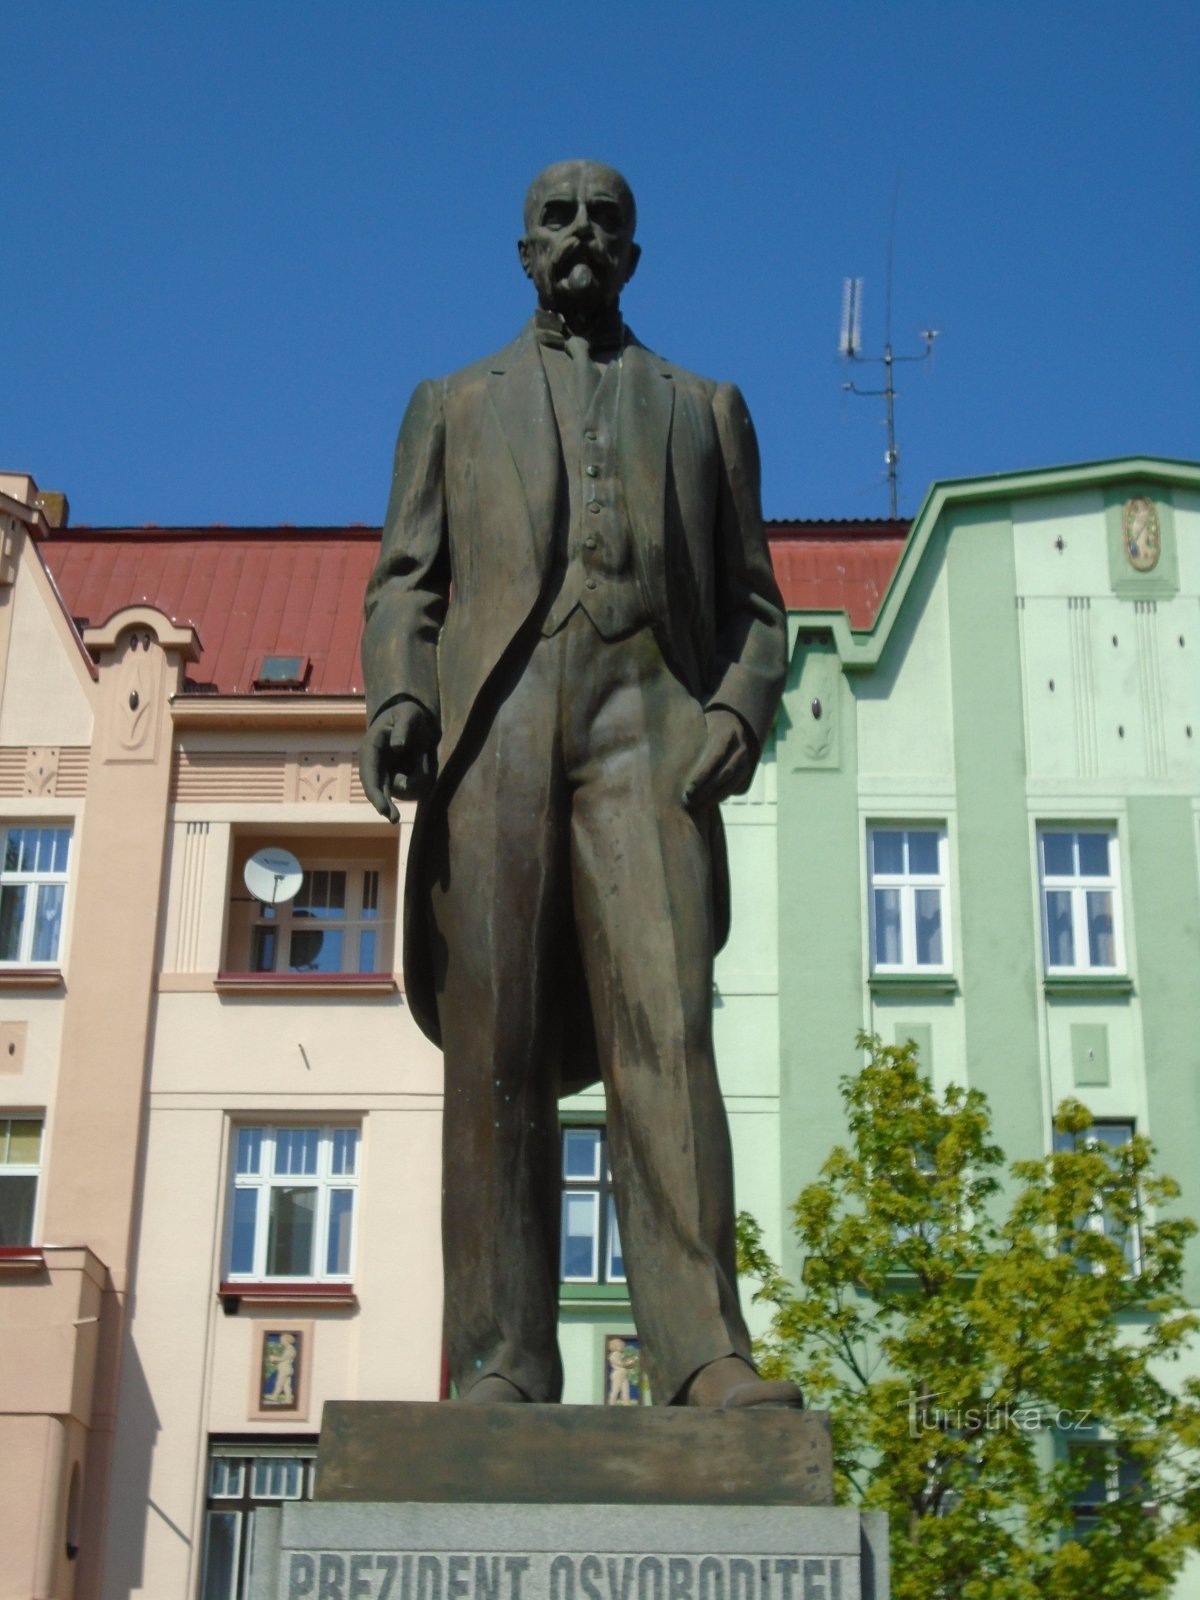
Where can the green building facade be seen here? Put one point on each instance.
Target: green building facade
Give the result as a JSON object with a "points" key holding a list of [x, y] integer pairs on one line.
{"points": [[989, 820]]}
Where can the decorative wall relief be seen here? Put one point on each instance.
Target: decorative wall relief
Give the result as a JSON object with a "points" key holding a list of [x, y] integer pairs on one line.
{"points": [[322, 778], [815, 723], [282, 1358], [624, 1382], [138, 680], [41, 770], [1141, 533], [1143, 562]]}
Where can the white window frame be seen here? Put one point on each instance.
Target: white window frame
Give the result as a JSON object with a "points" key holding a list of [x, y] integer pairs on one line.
{"points": [[1119, 1468], [324, 1180], [907, 883], [597, 1185], [1097, 1220], [33, 882], [1079, 885], [364, 882], [23, 1169], [237, 1506]]}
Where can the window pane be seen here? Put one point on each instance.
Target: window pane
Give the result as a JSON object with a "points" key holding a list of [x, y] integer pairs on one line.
{"points": [[62, 843], [48, 922], [225, 1477], [929, 927], [1102, 950], [18, 1196], [221, 1555], [615, 1271], [296, 1151], [888, 847], [290, 1234], [12, 915], [580, 1217], [581, 1153], [315, 950], [245, 1214], [370, 898], [1093, 855], [887, 927], [249, 1150], [1058, 854], [278, 1478], [1059, 937], [264, 947], [1111, 1133], [322, 894], [25, 1142], [366, 950], [345, 1152], [923, 851], [341, 1220], [12, 850]]}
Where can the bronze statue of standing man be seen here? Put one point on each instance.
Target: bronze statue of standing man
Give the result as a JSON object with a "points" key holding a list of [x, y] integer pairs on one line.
{"points": [[574, 647]]}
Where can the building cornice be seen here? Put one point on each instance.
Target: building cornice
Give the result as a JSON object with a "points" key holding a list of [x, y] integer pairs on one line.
{"points": [[261, 710]]}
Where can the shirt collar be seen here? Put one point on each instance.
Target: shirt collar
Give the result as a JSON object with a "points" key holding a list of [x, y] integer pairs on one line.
{"points": [[606, 336]]}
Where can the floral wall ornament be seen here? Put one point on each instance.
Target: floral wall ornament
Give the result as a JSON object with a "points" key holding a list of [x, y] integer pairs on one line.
{"points": [[1141, 533]]}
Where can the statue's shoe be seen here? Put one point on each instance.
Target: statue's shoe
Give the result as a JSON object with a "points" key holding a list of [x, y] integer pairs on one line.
{"points": [[494, 1391], [731, 1384], [757, 1391]]}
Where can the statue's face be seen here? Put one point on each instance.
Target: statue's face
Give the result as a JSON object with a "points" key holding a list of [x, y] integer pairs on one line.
{"points": [[578, 246]]}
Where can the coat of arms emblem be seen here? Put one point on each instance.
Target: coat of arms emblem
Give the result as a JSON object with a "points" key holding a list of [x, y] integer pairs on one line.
{"points": [[1139, 528]]}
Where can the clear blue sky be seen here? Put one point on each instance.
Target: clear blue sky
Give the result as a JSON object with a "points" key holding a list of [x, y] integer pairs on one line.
{"points": [[236, 234]]}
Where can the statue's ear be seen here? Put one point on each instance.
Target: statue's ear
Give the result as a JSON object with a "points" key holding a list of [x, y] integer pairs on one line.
{"points": [[635, 255], [526, 256]]}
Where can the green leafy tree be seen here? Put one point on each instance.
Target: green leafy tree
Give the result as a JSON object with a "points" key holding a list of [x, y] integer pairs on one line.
{"points": [[995, 1356]]}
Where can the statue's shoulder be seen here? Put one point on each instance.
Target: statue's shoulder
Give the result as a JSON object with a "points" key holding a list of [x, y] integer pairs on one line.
{"points": [[467, 378], [680, 376]]}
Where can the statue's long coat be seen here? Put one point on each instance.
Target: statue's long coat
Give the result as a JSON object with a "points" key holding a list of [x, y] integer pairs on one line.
{"points": [[478, 491]]}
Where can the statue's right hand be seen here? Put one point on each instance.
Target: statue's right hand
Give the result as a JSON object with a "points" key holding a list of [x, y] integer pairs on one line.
{"points": [[399, 757]]}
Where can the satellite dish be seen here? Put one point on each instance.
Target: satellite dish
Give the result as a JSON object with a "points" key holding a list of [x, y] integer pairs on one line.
{"points": [[273, 875]]}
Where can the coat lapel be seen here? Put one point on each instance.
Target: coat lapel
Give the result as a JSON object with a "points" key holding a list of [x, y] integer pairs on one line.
{"points": [[643, 441], [521, 401]]}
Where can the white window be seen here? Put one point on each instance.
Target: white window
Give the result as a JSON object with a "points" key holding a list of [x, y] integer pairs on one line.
{"points": [[1081, 904], [33, 889], [591, 1241], [332, 925], [910, 912], [1114, 1473], [1106, 1136], [242, 1477], [291, 1212], [20, 1164]]}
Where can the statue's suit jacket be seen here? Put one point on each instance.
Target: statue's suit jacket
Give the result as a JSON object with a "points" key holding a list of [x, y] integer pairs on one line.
{"points": [[478, 494]]}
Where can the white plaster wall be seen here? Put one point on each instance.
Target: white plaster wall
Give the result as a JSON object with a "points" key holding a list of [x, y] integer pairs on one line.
{"points": [[904, 710], [1077, 518]]}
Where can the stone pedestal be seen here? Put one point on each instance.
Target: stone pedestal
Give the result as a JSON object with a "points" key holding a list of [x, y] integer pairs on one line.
{"points": [[447, 1502]]}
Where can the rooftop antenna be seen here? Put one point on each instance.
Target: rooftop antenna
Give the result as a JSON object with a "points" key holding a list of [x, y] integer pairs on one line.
{"points": [[850, 347]]}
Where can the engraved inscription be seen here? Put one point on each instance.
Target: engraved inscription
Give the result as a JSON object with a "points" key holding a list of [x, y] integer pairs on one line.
{"points": [[395, 1575]]}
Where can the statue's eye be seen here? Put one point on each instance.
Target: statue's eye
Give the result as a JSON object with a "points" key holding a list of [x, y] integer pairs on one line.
{"points": [[557, 213], [606, 214]]}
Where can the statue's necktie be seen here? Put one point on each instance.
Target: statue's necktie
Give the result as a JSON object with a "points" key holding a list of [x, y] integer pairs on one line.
{"points": [[585, 374]]}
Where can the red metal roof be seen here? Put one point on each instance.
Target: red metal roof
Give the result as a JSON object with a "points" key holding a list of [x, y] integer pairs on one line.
{"points": [[248, 592], [836, 566], [254, 592]]}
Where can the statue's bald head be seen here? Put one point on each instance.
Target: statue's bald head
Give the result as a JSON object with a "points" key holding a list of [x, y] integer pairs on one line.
{"points": [[594, 174], [578, 246]]}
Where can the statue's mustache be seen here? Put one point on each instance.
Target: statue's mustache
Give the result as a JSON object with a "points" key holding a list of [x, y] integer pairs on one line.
{"points": [[574, 256]]}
